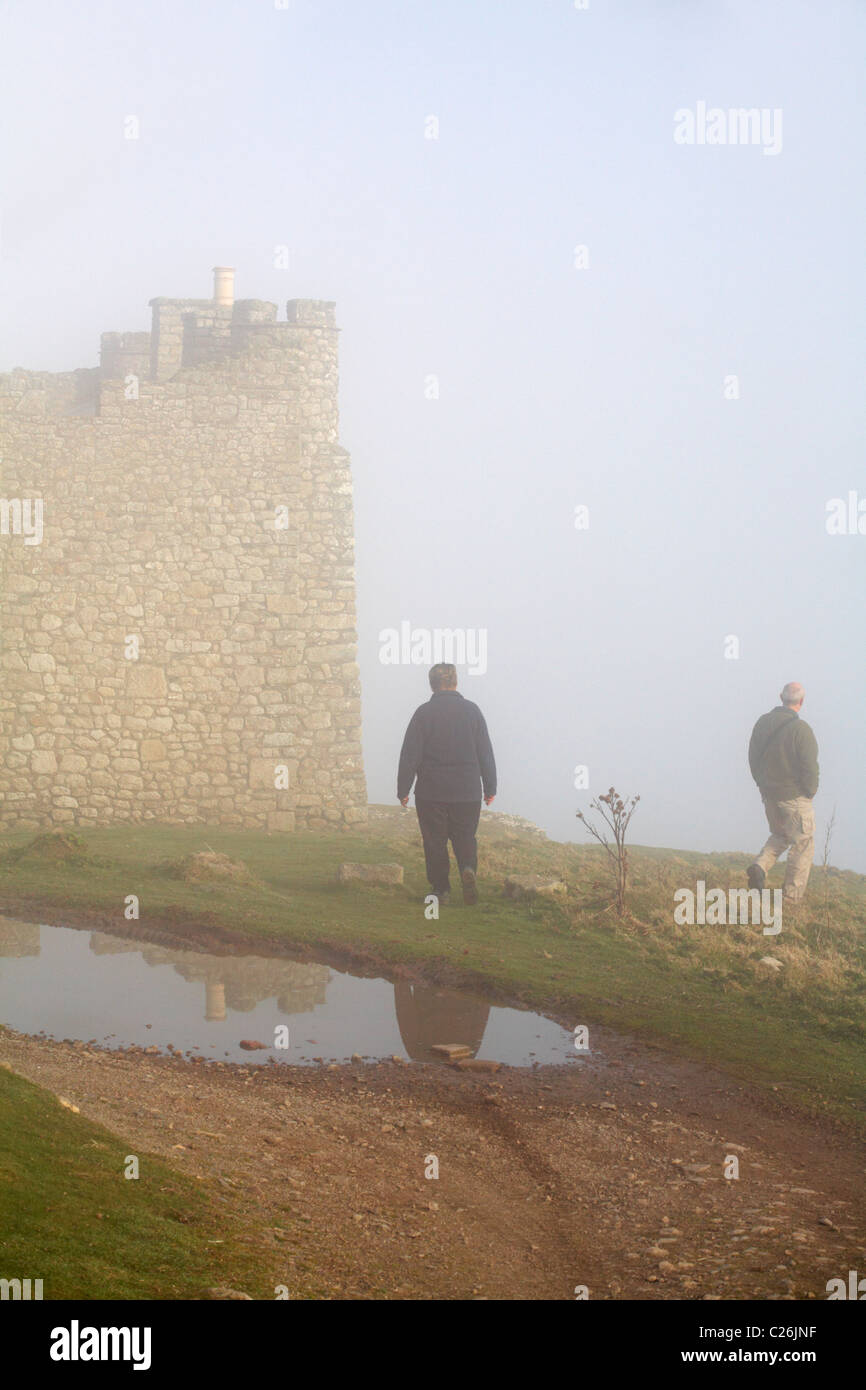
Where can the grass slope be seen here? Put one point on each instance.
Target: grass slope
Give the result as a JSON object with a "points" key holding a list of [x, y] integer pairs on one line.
{"points": [[68, 1215]]}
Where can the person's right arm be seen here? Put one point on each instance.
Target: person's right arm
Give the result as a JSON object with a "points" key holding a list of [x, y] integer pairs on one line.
{"points": [[410, 756]]}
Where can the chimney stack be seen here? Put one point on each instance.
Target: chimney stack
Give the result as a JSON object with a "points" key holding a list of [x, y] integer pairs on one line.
{"points": [[224, 286]]}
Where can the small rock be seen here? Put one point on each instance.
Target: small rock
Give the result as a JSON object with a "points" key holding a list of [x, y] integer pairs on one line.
{"points": [[452, 1050], [533, 886], [356, 1057], [67, 1105], [607, 1105], [825, 1221], [477, 1064], [665, 1267], [772, 961], [250, 1045], [224, 1293]]}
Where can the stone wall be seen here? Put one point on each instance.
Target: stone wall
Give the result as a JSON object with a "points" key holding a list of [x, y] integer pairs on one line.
{"points": [[170, 650]]}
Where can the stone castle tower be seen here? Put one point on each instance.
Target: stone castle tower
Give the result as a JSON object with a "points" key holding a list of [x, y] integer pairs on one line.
{"points": [[177, 602]]}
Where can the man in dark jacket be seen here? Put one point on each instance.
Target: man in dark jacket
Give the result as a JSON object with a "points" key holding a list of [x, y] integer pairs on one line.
{"points": [[783, 757], [447, 747]]}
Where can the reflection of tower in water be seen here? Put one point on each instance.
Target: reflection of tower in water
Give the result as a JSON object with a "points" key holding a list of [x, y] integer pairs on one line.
{"points": [[232, 982], [18, 938], [426, 1015], [215, 1001]]}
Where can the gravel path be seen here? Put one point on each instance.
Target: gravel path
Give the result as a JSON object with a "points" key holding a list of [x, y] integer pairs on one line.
{"points": [[609, 1175]]}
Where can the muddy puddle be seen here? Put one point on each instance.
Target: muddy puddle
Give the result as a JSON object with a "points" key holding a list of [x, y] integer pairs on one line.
{"points": [[118, 992]]}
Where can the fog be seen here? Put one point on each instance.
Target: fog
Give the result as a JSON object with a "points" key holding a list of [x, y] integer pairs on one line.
{"points": [[547, 302]]}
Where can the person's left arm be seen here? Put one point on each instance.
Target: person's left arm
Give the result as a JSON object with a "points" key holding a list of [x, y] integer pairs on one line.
{"points": [[807, 759]]}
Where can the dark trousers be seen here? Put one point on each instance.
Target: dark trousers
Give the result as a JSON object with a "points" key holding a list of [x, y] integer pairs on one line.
{"points": [[441, 821]]}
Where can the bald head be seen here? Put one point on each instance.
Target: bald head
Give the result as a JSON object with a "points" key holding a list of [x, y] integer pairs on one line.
{"points": [[793, 695]]}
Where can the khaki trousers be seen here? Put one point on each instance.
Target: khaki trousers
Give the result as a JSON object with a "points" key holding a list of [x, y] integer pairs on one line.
{"points": [[792, 828]]}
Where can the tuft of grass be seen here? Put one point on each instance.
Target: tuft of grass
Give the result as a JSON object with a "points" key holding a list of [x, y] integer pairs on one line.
{"points": [[53, 847]]}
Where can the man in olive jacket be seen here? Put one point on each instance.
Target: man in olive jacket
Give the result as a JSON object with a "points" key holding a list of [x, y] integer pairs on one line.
{"points": [[447, 747], [783, 757]]}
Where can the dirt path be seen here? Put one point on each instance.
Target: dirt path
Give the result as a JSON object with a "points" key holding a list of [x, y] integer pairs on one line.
{"points": [[608, 1174]]}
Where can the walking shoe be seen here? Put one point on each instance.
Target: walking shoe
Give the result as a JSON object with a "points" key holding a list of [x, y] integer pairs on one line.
{"points": [[444, 898], [756, 876], [470, 887]]}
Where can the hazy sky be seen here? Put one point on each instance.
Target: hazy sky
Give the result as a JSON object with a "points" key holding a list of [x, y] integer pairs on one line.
{"points": [[559, 384]]}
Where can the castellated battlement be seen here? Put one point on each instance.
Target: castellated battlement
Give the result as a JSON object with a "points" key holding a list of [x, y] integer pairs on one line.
{"points": [[178, 642]]}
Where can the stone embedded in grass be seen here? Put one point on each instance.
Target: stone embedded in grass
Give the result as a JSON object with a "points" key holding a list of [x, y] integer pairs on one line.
{"points": [[390, 874], [534, 886], [233, 1294], [772, 962], [67, 1105]]}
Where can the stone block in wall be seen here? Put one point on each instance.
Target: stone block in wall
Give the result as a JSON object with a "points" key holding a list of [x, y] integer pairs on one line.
{"points": [[153, 750], [145, 682], [262, 772]]}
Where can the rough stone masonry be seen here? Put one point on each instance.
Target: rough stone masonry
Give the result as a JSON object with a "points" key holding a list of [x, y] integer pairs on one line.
{"points": [[179, 644]]}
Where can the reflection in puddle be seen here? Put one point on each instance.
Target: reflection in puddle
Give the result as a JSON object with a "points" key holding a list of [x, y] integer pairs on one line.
{"points": [[118, 991]]}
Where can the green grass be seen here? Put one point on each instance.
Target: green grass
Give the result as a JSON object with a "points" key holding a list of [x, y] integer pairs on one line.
{"points": [[699, 990], [68, 1216]]}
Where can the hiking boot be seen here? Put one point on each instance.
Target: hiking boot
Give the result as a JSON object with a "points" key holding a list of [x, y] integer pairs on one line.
{"points": [[756, 876], [444, 898], [470, 887]]}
